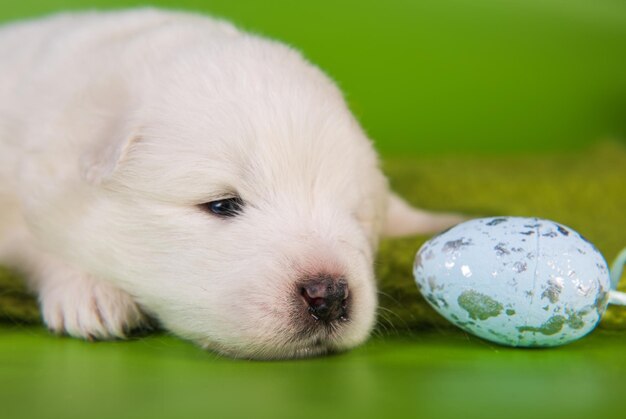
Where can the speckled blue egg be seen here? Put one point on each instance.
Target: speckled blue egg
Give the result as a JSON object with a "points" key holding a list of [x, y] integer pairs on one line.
{"points": [[515, 281]]}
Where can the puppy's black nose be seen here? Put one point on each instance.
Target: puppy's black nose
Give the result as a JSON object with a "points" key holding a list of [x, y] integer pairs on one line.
{"points": [[327, 297]]}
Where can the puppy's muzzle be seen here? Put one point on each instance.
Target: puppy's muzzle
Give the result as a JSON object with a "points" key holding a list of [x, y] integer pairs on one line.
{"points": [[326, 297]]}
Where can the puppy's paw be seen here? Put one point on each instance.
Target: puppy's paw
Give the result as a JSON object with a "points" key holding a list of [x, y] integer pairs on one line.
{"points": [[404, 220], [442, 221], [83, 307]]}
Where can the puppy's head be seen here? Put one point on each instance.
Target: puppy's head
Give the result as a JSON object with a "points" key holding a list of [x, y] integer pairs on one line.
{"points": [[241, 204]]}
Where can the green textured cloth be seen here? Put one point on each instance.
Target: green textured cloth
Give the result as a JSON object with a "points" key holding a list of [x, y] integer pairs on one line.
{"points": [[584, 190]]}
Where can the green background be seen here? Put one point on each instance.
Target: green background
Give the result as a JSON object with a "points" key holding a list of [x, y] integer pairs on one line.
{"points": [[485, 107], [435, 75]]}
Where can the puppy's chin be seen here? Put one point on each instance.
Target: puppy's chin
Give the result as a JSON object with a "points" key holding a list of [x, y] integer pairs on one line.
{"points": [[255, 352], [298, 339], [294, 349]]}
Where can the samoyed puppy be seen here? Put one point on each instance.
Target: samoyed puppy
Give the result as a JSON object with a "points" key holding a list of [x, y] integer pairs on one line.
{"points": [[164, 166]]}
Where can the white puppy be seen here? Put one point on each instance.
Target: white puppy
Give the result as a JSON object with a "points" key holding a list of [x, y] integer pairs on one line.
{"points": [[164, 165]]}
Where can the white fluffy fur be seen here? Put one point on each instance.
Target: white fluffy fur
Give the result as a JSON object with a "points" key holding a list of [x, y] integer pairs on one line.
{"points": [[114, 126]]}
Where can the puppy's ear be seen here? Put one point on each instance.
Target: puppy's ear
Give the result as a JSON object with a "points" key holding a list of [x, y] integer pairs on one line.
{"points": [[112, 130], [99, 163], [404, 220]]}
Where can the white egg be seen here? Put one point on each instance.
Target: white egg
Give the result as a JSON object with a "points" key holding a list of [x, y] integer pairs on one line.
{"points": [[515, 281]]}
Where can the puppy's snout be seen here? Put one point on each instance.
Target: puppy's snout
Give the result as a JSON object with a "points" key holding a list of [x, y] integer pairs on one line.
{"points": [[326, 297]]}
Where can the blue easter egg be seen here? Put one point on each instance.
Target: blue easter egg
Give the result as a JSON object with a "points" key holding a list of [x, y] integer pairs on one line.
{"points": [[515, 281]]}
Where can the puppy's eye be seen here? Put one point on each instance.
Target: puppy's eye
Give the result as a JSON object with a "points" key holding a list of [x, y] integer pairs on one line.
{"points": [[229, 207]]}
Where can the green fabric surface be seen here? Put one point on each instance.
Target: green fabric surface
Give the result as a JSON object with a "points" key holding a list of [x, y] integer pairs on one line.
{"points": [[583, 190]]}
